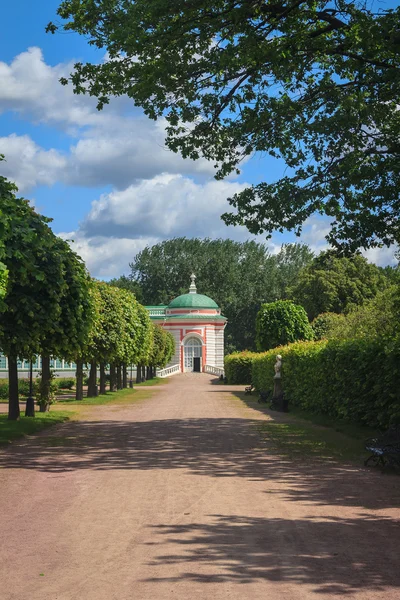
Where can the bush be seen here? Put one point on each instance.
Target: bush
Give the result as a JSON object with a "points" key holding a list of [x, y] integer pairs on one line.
{"points": [[65, 383], [325, 323], [281, 322], [238, 367], [4, 389], [23, 388], [357, 380]]}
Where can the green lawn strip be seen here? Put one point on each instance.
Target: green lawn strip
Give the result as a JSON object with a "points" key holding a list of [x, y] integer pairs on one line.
{"points": [[303, 434], [126, 396], [12, 430]]}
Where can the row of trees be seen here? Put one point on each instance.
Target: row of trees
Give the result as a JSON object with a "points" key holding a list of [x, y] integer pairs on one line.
{"points": [[49, 305], [241, 277]]}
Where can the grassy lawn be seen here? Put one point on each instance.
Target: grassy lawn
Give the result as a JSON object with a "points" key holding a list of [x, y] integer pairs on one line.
{"points": [[11, 430], [301, 434], [64, 410]]}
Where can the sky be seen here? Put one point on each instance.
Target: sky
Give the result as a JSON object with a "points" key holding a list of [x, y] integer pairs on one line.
{"points": [[106, 178]]}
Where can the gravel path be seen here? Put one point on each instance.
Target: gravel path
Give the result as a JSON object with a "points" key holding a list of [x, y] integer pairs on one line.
{"points": [[176, 497]]}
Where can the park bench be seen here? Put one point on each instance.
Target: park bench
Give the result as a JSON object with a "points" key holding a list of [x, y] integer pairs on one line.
{"points": [[249, 389], [385, 449]]}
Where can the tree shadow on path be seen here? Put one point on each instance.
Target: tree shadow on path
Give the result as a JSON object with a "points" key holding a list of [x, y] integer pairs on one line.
{"points": [[207, 447], [333, 556]]}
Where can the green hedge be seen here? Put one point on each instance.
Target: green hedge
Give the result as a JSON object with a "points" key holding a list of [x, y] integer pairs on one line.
{"points": [[65, 383], [238, 367], [357, 380], [23, 388]]}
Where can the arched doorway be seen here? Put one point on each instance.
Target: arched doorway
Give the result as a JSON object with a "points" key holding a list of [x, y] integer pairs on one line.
{"points": [[193, 351]]}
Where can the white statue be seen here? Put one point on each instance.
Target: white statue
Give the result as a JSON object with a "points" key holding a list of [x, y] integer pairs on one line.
{"points": [[278, 366]]}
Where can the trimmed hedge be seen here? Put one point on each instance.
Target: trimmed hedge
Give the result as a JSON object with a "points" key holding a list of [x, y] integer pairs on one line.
{"points": [[23, 388], [65, 383], [357, 380], [238, 367]]}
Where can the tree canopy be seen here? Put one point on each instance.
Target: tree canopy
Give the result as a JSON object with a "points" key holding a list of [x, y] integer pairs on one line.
{"points": [[313, 82], [335, 284], [239, 276], [281, 322]]}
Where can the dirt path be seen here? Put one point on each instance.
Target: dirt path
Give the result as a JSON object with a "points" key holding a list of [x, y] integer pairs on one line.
{"points": [[175, 497]]}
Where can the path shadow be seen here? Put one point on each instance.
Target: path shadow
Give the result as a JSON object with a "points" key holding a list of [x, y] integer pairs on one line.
{"points": [[205, 447], [334, 556]]}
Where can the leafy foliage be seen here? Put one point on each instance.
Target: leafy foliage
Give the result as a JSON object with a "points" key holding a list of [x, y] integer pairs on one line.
{"points": [[163, 347], [324, 324], [357, 380], [313, 83], [127, 283], [238, 276], [375, 318], [335, 284], [281, 322], [238, 367]]}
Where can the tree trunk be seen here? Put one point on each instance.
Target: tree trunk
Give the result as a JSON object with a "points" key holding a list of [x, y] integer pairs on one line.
{"points": [[102, 378], [44, 398], [92, 383], [124, 376], [13, 397], [79, 380], [138, 373], [113, 378], [119, 377]]}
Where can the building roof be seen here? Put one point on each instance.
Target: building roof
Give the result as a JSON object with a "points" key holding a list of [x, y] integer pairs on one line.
{"points": [[192, 300]]}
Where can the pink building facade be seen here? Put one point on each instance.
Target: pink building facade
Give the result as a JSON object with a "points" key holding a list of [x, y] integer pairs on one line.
{"points": [[198, 327]]}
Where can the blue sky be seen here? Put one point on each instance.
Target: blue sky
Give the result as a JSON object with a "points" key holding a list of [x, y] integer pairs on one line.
{"points": [[106, 178]]}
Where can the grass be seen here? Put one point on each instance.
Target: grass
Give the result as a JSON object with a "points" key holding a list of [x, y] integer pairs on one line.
{"points": [[11, 430], [121, 397], [300, 434], [68, 408]]}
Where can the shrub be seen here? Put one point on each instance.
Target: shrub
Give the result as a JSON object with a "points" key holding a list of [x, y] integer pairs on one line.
{"points": [[4, 389], [238, 367], [23, 388], [325, 323], [281, 322], [65, 383], [357, 380]]}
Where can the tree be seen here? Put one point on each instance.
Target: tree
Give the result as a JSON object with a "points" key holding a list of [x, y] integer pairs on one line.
{"points": [[127, 283], [334, 284], [377, 318], [315, 83], [35, 285], [290, 260], [163, 347], [281, 322], [238, 276], [324, 324]]}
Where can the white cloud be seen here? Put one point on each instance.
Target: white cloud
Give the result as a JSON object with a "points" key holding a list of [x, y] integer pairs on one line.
{"points": [[122, 150], [122, 223], [31, 87], [116, 146], [165, 206], [106, 257], [28, 164], [382, 256]]}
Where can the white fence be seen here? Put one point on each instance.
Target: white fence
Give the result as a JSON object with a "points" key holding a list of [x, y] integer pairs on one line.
{"points": [[168, 371], [214, 370]]}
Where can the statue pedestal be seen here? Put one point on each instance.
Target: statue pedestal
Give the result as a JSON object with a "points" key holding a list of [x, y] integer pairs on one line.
{"points": [[278, 401], [278, 391]]}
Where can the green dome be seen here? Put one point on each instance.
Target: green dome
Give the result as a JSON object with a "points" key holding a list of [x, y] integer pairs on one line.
{"points": [[192, 301]]}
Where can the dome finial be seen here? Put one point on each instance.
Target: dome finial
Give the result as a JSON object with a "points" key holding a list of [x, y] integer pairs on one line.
{"points": [[193, 289]]}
